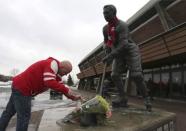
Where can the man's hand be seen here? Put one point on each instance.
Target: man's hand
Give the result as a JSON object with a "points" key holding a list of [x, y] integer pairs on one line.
{"points": [[74, 96], [77, 97], [108, 58]]}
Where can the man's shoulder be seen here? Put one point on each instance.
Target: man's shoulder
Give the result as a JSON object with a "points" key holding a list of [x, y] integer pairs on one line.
{"points": [[122, 26], [122, 23], [105, 26], [51, 64], [51, 59]]}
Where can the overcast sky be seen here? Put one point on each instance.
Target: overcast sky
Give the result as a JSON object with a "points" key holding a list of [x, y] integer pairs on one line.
{"points": [[31, 30]]}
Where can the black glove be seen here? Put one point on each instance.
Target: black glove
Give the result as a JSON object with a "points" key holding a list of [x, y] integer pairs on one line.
{"points": [[108, 59]]}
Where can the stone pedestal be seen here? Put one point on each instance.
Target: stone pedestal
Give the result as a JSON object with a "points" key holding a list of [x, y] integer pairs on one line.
{"points": [[134, 118]]}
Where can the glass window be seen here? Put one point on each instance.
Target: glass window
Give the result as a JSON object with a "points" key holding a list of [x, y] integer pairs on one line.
{"points": [[156, 69], [185, 82], [147, 70], [176, 83], [165, 77], [147, 76], [176, 77], [175, 66], [156, 78], [185, 77], [165, 67]]}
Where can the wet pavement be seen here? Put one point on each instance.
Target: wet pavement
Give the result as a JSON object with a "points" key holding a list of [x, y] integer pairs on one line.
{"points": [[48, 121], [34, 122]]}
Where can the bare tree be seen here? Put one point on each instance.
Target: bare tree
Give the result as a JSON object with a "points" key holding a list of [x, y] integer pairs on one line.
{"points": [[14, 71]]}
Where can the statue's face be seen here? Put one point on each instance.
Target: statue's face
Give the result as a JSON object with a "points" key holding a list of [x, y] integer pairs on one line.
{"points": [[108, 14]]}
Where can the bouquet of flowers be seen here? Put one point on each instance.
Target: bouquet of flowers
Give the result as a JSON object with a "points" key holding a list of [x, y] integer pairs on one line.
{"points": [[92, 112]]}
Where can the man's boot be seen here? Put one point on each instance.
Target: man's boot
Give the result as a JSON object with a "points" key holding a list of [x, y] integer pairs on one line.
{"points": [[148, 104], [120, 102]]}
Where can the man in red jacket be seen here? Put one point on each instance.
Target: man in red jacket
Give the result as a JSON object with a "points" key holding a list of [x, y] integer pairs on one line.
{"points": [[36, 79]]}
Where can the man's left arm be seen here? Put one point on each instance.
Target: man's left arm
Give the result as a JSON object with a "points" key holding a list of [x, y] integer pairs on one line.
{"points": [[51, 80]]}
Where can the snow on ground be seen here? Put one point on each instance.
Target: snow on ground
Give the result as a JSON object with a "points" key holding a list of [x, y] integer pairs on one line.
{"points": [[5, 84], [4, 97], [42, 102]]}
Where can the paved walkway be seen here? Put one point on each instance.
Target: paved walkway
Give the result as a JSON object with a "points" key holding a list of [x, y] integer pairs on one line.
{"points": [[45, 120], [34, 122], [48, 121]]}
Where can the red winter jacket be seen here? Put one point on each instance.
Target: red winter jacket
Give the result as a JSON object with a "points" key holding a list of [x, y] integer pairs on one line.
{"points": [[39, 77]]}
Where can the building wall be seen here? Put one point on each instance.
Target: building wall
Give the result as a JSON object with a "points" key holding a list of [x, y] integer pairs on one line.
{"points": [[147, 30], [177, 12]]}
